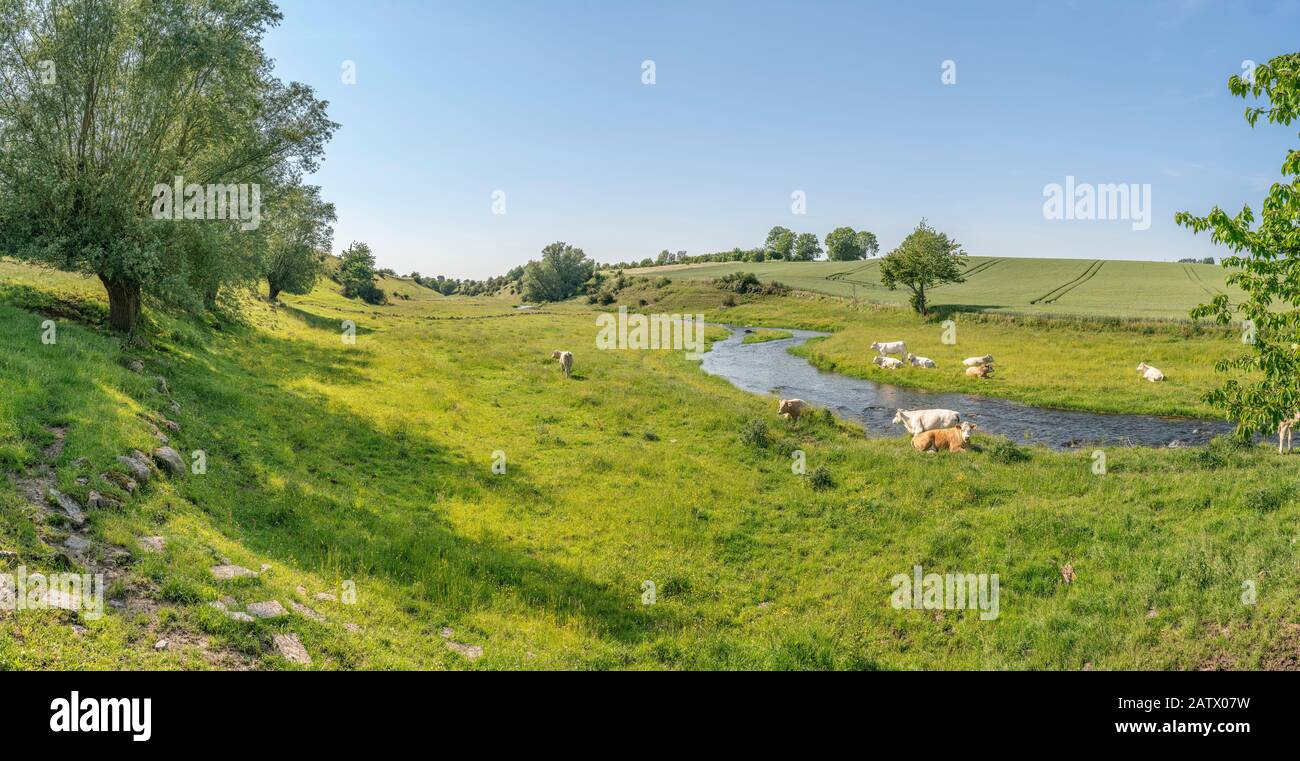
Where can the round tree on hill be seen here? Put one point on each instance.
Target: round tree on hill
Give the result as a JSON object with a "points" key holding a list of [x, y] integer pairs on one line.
{"points": [[924, 259]]}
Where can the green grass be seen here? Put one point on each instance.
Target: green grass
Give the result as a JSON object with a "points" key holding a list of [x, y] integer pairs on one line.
{"points": [[1090, 287], [764, 335], [371, 463]]}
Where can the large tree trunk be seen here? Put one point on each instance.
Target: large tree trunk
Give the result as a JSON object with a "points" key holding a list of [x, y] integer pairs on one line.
{"points": [[123, 303], [273, 289]]}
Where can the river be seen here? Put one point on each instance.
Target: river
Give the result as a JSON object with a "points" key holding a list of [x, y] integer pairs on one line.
{"points": [[768, 367]]}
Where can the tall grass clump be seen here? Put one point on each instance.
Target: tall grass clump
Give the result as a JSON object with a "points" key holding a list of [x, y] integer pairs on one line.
{"points": [[755, 433]]}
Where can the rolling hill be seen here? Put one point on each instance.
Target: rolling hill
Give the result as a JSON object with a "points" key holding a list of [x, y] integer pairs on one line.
{"points": [[1093, 287]]}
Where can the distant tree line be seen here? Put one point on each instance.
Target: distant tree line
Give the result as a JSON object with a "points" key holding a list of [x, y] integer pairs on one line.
{"points": [[781, 244], [563, 272], [1194, 260], [450, 286]]}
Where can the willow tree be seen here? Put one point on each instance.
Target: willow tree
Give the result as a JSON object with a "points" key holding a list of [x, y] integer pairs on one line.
{"points": [[104, 101], [299, 232], [1265, 265]]}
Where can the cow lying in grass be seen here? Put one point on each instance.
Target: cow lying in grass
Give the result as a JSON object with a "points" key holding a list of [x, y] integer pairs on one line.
{"points": [[888, 363], [916, 361], [987, 359], [1150, 373], [938, 440], [982, 371], [919, 421], [791, 409]]}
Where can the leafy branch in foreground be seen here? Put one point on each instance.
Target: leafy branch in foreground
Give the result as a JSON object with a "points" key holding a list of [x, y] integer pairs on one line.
{"points": [[1265, 264]]}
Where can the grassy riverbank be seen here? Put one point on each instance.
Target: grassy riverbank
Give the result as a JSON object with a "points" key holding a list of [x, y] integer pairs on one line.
{"points": [[1085, 363], [763, 335], [371, 465]]}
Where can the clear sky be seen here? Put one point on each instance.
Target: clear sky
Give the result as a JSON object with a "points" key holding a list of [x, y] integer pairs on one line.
{"points": [[752, 101]]}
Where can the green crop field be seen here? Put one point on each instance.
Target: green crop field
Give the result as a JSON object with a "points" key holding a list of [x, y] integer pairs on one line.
{"points": [[1093, 287], [368, 468]]}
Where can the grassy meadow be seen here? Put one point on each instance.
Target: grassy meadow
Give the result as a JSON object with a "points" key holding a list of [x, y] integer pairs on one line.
{"points": [[1012, 285], [369, 466]]}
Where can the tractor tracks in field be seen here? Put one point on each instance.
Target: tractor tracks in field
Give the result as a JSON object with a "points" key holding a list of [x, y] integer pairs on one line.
{"points": [[978, 269], [843, 277], [1054, 295], [983, 267], [1210, 290]]}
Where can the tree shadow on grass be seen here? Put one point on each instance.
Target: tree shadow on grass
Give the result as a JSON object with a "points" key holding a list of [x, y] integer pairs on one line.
{"points": [[311, 319], [294, 476]]}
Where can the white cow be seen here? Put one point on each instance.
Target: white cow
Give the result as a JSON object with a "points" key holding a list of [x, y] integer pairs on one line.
{"points": [[919, 421], [1284, 431], [987, 359], [791, 409], [1150, 373], [888, 363], [916, 361], [890, 347]]}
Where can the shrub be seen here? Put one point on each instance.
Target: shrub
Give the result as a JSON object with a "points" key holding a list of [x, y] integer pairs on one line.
{"points": [[357, 274], [755, 433], [1208, 457], [821, 478], [561, 273], [1007, 452], [1269, 498], [740, 282], [748, 282]]}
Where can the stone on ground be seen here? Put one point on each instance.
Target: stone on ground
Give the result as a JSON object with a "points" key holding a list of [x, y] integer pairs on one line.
{"points": [[121, 480], [267, 609], [169, 460], [290, 648], [471, 652], [153, 543], [138, 466], [77, 543], [68, 505], [225, 572], [100, 502], [303, 610]]}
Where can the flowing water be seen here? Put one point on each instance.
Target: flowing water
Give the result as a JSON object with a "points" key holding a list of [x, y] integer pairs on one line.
{"points": [[768, 367]]}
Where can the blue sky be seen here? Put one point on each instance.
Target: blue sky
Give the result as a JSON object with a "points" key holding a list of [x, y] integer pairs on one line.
{"points": [[753, 101]]}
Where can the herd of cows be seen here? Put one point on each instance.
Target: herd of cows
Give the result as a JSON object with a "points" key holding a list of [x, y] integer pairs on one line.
{"points": [[937, 430], [976, 367]]}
